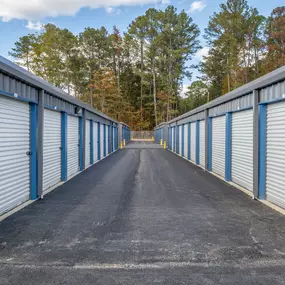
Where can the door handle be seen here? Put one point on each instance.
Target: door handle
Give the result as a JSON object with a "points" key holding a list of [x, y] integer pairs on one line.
{"points": [[28, 153]]}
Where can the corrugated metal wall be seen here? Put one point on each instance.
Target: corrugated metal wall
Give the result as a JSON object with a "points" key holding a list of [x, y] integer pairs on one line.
{"points": [[40, 122], [243, 136], [12, 85]]}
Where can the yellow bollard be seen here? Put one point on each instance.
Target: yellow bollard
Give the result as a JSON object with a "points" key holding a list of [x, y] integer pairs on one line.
{"points": [[124, 142], [160, 141], [121, 145], [164, 146]]}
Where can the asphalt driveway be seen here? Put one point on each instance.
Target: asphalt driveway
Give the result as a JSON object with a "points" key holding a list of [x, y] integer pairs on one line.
{"points": [[143, 216]]}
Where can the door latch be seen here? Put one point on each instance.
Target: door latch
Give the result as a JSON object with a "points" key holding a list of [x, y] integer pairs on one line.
{"points": [[28, 153]]}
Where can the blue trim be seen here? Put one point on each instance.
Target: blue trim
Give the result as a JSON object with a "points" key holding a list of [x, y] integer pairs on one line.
{"points": [[262, 152], [197, 142], [276, 100], [113, 138], [63, 146], [33, 149], [80, 143], [182, 144], [19, 98], [228, 150], [109, 139], [99, 143], [189, 141], [209, 144], [104, 140], [91, 143]]}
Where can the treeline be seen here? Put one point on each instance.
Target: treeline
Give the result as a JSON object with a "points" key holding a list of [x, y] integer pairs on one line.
{"points": [[244, 45], [136, 76]]}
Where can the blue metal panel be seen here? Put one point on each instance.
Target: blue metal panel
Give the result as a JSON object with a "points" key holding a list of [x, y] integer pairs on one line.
{"points": [[91, 143], [228, 170], [63, 146], [19, 98], [81, 143], [33, 147], [109, 139], [197, 142], [262, 152], [209, 166], [189, 141], [99, 144], [104, 140], [182, 145]]}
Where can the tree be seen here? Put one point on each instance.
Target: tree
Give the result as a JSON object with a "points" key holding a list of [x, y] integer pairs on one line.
{"points": [[135, 76], [275, 34], [196, 95], [137, 29], [23, 51], [95, 51]]}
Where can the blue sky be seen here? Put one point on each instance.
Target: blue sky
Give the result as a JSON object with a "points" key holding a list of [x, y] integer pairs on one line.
{"points": [[18, 18]]}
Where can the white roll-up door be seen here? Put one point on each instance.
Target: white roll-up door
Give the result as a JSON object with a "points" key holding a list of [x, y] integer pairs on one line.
{"points": [[172, 138], [51, 149], [106, 139], [193, 142], [14, 161], [95, 141], [242, 149], [87, 143], [102, 140], [72, 145], [180, 139], [275, 154], [202, 143], [185, 140], [218, 145]]}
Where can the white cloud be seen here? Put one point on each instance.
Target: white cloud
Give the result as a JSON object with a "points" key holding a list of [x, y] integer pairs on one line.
{"points": [[34, 25], [197, 6], [202, 52], [109, 10], [35, 10], [165, 2]]}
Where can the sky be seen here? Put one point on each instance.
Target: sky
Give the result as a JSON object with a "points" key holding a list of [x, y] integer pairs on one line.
{"points": [[21, 17]]}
